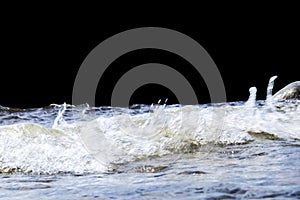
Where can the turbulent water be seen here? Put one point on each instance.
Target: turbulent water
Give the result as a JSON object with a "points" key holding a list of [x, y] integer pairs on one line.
{"points": [[230, 150]]}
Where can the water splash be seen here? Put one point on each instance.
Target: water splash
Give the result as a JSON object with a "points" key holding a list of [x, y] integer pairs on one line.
{"points": [[269, 98], [252, 98], [59, 118]]}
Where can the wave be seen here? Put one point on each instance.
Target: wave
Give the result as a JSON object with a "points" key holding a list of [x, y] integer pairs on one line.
{"points": [[80, 139]]}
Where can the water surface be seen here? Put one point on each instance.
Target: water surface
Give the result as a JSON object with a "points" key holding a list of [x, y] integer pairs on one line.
{"points": [[243, 150]]}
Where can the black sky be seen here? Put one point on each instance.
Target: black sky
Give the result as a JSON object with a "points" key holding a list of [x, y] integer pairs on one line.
{"points": [[41, 54]]}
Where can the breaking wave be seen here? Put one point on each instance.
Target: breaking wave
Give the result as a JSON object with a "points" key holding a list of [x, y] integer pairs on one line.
{"points": [[83, 139]]}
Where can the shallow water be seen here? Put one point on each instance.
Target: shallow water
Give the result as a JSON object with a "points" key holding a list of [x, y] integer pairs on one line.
{"points": [[237, 150]]}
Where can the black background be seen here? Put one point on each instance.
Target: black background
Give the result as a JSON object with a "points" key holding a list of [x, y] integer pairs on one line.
{"points": [[42, 51]]}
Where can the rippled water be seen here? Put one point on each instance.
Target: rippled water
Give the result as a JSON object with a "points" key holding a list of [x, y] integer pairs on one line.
{"points": [[231, 150]]}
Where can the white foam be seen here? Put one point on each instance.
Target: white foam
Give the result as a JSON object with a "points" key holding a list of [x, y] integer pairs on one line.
{"points": [[32, 148]]}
